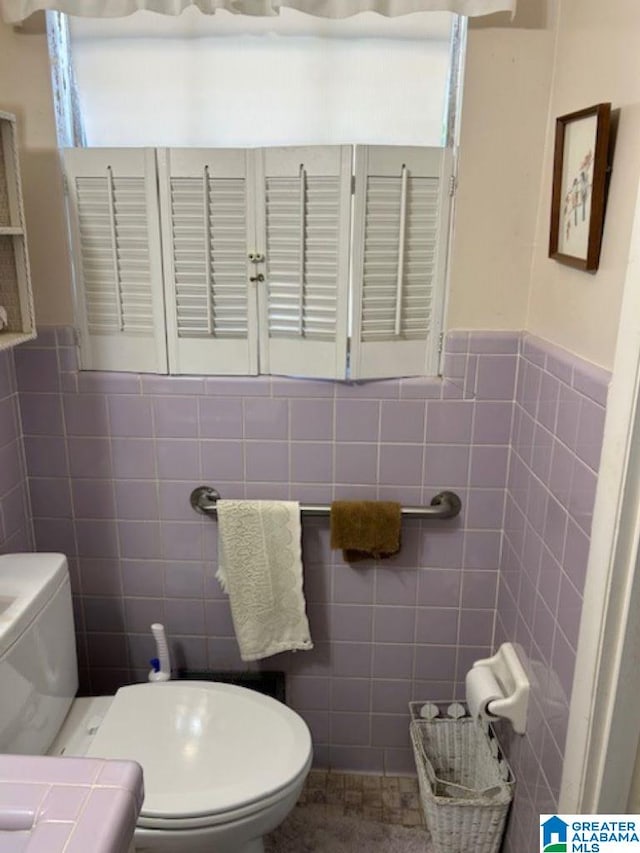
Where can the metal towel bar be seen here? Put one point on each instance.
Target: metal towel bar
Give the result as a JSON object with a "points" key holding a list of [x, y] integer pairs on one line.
{"points": [[443, 505]]}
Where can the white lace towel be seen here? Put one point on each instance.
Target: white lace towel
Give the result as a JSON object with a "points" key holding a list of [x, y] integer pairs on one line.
{"points": [[260, 567]]}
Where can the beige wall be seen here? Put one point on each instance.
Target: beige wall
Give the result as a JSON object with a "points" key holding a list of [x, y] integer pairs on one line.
{"points": [[25, 90], [597, 60], [504, 117]]}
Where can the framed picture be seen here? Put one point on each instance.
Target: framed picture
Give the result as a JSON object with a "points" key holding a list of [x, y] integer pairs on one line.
{"points": [[579, 186]]}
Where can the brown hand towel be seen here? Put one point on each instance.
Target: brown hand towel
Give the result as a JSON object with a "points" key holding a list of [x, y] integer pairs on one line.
{"points": [[365, 529]]}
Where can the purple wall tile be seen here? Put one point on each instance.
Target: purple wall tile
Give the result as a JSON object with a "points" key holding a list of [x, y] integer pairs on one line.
{"points": [[390, 730], [89, 457], [267, 461], [183, 385], [590, 432], [175, 417], [592, 381], [181, 540], [402, 421], [356, 463], [41, 414], [350, 694], [396, 586], [311, 419], [36, 370], [438, 588], [136, 446], [394, 624], [401, 464], [357, 420], [103, 383], [266, 418], [174, 501], [479, 589], [185, 580], [482, 549], [446, 465], [178, 459], [476, 627], [85, 415], [351, 659], [457, 341], [46, 456], [496, 377], [486, 508], [435, 663], [550, 490], [311, 462], [136, 500], [449, 422], [353, 585], [437, 626], [220, 417], [492, 422], [390, 696], [441, 547], [421, 388], [50, 497], [100, 577], [393, 660], [92, 499], [142, 577], [97, 538], [133, 458], [130, 416], [488, 466], [55, 534]]}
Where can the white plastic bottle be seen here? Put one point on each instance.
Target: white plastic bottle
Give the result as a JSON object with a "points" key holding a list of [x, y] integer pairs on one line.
{"points": [[161, 665]]}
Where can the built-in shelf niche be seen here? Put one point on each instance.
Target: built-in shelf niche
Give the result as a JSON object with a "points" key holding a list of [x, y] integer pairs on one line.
{"points": [[15, 279]]}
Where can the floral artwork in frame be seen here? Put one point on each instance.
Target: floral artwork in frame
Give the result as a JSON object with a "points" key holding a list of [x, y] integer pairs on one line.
{"points": [[579, 187]]}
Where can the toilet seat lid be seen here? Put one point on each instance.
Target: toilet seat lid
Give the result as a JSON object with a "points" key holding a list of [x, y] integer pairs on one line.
{"points": [[204, 747]]}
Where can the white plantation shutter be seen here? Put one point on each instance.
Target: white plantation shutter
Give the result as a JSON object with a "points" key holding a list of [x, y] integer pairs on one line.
{"points": [[208, 230], [113, 213], [304, 219], [399, 257]]}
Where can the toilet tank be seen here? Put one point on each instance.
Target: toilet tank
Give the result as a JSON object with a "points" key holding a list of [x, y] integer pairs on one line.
{"points": [[38, 666]]}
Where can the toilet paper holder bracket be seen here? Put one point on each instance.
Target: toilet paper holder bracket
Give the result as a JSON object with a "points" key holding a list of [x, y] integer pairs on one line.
{"points": [[509, 673]]}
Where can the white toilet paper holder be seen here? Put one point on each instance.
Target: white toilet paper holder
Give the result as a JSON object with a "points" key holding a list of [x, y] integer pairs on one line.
{"points": [[506, 668]]}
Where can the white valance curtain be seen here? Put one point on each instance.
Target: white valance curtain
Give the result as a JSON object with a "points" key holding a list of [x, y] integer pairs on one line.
{"points": [[14, 11]]}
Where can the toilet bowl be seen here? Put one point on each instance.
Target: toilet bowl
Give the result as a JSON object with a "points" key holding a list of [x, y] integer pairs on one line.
{"points": [[222, 765]]}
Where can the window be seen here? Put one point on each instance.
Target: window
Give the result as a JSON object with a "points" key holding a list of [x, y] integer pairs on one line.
{"points": [[317, 260]]}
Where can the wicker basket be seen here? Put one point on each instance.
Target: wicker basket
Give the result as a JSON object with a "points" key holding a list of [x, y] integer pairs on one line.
{"points": [[465, 785]]}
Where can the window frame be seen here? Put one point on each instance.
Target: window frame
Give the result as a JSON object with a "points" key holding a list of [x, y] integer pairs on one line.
{"points": [[67, 109]]}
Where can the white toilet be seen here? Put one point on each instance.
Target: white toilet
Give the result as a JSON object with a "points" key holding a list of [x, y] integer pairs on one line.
{"points": [[222, 765]]}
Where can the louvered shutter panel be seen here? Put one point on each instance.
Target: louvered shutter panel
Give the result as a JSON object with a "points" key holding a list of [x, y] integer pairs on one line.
{"points": [[304, 211], [207, 233], [401, 229], [115, 234]]}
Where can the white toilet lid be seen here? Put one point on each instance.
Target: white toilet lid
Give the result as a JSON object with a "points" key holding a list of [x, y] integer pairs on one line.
{"points": [[204, 747]]}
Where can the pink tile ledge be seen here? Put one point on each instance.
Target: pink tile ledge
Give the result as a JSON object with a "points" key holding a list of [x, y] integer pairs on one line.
{"points": [[55, 802]]}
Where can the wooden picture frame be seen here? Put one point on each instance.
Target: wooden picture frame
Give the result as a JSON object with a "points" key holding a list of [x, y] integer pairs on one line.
{"points": [[579, 187]]}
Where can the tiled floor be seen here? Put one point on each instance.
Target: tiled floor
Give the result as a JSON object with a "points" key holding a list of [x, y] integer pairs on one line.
{"points": [[390, 799]]}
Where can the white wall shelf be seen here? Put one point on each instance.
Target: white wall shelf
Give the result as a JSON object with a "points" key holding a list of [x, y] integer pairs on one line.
{"points": [[15, 279]]}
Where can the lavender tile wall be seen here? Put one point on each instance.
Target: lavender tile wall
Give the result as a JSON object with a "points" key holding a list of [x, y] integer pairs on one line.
{"points": [[555, 451], [15, 518], [112, 460]]}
